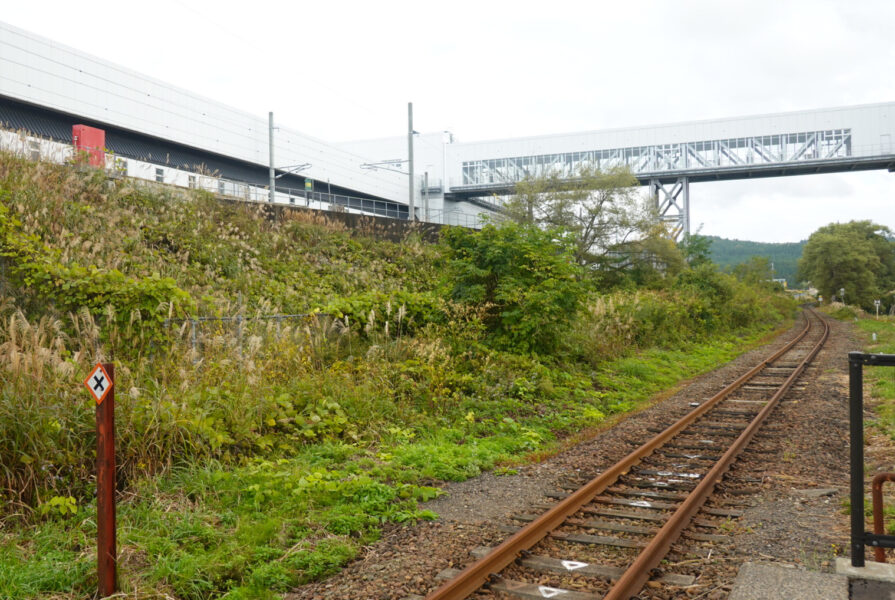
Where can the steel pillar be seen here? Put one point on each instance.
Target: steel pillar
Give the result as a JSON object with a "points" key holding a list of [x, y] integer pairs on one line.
{"points": [[673, 204], [273, 179]]}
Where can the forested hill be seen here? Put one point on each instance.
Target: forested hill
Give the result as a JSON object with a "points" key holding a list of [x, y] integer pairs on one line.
{"points": [[785, 256]]}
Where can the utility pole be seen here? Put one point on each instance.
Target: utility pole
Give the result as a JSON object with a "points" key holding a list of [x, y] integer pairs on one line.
{"points": [[426, 196], [411, 216], [273, 179]]}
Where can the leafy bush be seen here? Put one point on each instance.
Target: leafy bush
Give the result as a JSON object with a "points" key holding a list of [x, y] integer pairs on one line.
{"points": [[260, 455], [149, 300], [701, 303], [401, 311], [524, 277], [843, 312]]}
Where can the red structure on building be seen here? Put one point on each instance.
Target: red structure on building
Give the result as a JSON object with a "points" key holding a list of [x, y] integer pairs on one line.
{"points": [[92, 141]]}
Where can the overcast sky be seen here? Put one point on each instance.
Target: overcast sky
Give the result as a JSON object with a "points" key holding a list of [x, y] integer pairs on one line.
{"points": [[487, 69]]}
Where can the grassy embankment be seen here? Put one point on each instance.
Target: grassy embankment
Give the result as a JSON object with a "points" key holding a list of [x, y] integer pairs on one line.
{"points": [[879, 384], [266, 453], [881, 380]]}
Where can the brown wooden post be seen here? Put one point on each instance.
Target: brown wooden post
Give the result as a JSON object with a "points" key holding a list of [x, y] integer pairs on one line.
{"points": [[105, 490]]}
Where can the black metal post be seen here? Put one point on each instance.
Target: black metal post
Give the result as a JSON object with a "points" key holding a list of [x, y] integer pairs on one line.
{"points": [[856, 441], [859, 537]]}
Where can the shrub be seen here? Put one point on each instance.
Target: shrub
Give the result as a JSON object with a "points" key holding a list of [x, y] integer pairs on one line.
{"points": [[72, 287], [524, 277], [399, 312]]}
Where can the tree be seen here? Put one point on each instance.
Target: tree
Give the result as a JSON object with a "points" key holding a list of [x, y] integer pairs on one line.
{"points": [[697, 249], [649, 260], [614, 233], [755, 271], [784, 256], [599, 209], [523, 277], [858, 257]]}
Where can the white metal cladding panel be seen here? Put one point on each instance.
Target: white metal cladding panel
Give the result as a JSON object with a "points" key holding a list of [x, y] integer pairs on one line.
{"points": [[867, 124], [45, 73]]}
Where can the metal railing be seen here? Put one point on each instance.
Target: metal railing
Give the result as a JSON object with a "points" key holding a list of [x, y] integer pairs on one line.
{"points": [[859, 536], [476, 221], [33, 147], [680, 157], [300, 197]]}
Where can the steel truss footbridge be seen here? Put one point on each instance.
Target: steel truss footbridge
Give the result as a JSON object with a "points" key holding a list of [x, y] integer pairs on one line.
{"points": [[668, 158]]}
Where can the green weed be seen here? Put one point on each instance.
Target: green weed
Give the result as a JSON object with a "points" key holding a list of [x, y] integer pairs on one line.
{"points": [[881, 379], [259, 454]]}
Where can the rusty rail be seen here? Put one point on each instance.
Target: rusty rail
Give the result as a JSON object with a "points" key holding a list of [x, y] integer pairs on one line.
{"points": [[476, 574], [876, 493], [637, 574]]}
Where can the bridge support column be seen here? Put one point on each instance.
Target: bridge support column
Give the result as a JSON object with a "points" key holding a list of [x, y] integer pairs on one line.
{"points": [[673, 204]]}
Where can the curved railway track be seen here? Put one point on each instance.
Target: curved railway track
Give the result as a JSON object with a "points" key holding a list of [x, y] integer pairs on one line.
{"points": [[631, 514]]}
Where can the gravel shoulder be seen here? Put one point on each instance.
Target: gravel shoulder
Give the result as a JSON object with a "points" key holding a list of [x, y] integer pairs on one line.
{"points": [[790, 487]]}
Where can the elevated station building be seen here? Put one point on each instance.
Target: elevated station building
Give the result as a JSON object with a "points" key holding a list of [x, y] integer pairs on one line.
{"points": [[158, 131], [667, 158], [161, 132]]}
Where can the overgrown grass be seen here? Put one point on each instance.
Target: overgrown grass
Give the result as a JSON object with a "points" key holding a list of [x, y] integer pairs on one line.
{"points": [[881, 379], [256, 529], [265, 455]]}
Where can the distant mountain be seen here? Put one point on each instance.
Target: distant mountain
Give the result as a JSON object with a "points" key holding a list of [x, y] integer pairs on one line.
{"points": [[728, 253]]}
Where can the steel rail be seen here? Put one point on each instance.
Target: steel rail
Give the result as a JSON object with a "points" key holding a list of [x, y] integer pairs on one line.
{"points": [[476, 574], [636, 576]]}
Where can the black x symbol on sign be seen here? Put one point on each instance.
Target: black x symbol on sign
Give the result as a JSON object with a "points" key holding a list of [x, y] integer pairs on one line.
{"points": [[99, 383]]}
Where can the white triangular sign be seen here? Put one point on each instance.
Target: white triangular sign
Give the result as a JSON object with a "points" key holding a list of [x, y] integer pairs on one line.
{"points": [[549, 592], [571, 565]]}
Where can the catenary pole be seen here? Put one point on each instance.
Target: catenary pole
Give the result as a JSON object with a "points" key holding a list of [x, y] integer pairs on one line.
{"points": [[411, 216], [273, 179], [426, 193]]}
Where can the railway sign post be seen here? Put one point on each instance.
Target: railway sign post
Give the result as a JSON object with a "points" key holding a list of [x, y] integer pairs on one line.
{"points": [[100, 383]]}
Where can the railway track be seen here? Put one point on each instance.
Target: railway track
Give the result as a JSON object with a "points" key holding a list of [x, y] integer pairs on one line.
{"points": [[606, 539]]}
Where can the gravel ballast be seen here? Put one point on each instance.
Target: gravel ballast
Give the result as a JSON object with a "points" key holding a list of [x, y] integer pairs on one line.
{"points": [[790, 486]]}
